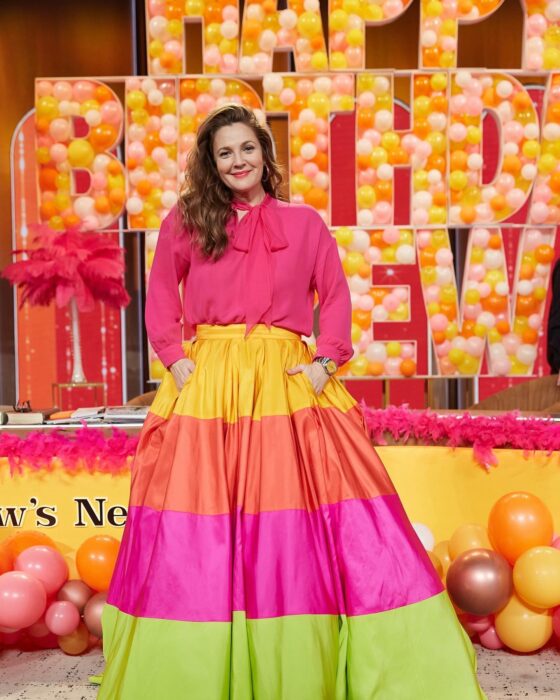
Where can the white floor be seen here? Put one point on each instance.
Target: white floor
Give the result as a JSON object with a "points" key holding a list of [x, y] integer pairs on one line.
{"points": [[46, 675]]}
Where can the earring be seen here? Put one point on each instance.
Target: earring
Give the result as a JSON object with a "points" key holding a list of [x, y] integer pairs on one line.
{"points": [[267, 175]]}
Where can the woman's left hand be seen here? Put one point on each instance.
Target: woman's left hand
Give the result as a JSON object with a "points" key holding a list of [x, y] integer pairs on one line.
{"points": [[316, 374]]}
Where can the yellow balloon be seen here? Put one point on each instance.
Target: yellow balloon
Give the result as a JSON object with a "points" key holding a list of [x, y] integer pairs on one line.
{"points": [[522, 627], [466, 537], [536, 577], [441, 550], [344, 236], [80, 153], [359, 366]]}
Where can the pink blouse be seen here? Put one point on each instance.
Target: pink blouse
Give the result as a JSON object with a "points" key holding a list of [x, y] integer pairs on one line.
{"points": [[279, 254]]}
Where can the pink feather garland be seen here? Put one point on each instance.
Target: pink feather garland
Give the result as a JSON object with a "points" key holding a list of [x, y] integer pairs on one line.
{"points": [[483, 433], [89, 449]]}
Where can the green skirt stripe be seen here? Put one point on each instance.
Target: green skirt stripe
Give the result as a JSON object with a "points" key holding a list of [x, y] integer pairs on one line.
{"points": [[417, 651]]}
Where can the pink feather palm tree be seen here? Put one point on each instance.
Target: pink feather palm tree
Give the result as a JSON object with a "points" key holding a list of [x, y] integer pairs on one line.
{"points": [[70, 267]]}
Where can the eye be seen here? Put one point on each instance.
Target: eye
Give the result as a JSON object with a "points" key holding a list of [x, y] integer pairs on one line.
{"points": [[249, 148]]}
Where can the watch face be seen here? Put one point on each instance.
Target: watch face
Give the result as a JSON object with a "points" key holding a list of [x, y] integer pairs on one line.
{"points": [[331, 367]]}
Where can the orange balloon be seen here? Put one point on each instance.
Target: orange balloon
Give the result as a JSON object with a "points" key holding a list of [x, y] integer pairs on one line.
{"points": [[502, 327], [362, 318], [408, 367], [6, 559], [27, 538], [376, 369], [544, 253], [530, 336], [518, 522], [96, 560]]}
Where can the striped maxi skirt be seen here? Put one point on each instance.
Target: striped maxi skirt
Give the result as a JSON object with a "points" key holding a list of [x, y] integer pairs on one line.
{"points": [[266, 554]]}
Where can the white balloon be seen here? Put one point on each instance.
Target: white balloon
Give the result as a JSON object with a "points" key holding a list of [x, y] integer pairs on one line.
{"points": [[273, 83], [134, 205], [526, 354], [379, 314], [376, 352], [524, 288], [425, 535], [360, 241], [405, 254], [84, 206]]}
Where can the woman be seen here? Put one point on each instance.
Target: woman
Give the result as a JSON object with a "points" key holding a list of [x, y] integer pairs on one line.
{"points": [[266, 554]]}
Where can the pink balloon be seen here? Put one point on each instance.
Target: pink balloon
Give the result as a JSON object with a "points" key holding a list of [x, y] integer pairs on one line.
{"points": [[444, 257], [541, 193], [304, 87], [22, 599], [439, 322], [393, 366], [62, 90], [432, 293], [474, 106], [475, 346], [212, 56], [475, 623], [423, 239], [343, 84], [489, 639], [457, 132], [44, 88], [556, 543], [505, 182], [136, 150], [99, 181], [62, 617], [539, 212], [382, 212], [111, 112], [442, 350], [501, 366], [511, 342], [477, 272], [536, 24], [407, 350], [58, 152], [513, 131], [556, 621], [457, 104], [38, 629], [45, 564], [83, 90], [390, 302], [205, 103], [515, 198], [168, 135], [391, 235], [157, 8]]}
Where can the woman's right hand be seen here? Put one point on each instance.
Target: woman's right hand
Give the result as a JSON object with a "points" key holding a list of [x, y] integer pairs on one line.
{"points": [[181, 371]]}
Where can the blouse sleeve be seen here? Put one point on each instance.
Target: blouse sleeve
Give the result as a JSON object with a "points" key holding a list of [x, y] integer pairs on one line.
{"points": [[335, 310], [164, 312]]}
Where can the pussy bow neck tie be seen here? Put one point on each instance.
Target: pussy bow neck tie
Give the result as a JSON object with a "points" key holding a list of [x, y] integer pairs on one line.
{"points": [[258, 235]]}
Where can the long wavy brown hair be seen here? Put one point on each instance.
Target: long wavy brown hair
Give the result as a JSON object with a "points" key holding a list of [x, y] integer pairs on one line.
{"points": [[205, 200]]}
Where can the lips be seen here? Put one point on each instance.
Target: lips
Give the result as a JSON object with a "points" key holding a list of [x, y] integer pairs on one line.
{"points": [[241, 175]]}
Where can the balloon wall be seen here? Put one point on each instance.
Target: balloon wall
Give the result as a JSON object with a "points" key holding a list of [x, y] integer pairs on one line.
{"points": [[504, 578]]}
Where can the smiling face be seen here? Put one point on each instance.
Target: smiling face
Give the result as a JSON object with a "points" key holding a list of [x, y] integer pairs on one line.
{"points": [[239, 160]]}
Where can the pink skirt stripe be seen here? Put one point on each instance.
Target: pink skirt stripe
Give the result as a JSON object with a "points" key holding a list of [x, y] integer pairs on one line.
{"points": [[355, 557]]}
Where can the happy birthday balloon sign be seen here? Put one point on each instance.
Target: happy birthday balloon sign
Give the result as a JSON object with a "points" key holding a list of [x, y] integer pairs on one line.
{"points": [[81, 123]]}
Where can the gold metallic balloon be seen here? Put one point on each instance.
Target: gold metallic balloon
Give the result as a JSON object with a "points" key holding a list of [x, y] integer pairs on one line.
{"points": [[76, 642], [77, 592], [441, 550], [92, 613], [480, 582]]}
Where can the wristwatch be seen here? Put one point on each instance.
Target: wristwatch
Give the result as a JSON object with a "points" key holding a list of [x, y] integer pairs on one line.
{"points": [[328, 365]]}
